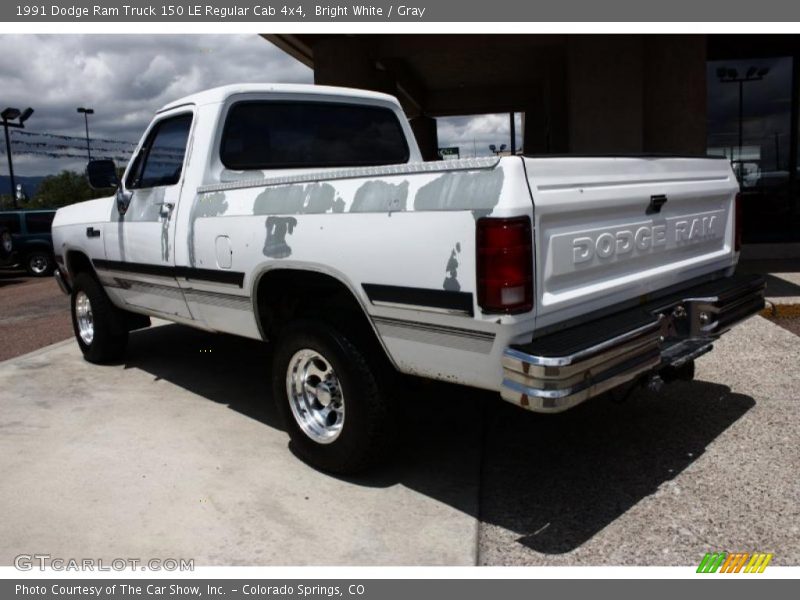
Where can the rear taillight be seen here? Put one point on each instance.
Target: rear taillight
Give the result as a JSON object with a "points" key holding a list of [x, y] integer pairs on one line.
{"points": [[737, 224], [505, 265]]}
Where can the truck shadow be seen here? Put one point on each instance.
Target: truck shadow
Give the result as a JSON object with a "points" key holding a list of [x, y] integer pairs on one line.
{"points": [[553, 480]]}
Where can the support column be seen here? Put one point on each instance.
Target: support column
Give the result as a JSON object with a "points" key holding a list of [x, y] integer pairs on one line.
{"points": [[675, 94], [424, 129], [534, 126], [346, 61], [545, 122], [605, 93]]}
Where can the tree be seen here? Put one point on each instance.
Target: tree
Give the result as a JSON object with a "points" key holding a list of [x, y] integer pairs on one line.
{"points": [[68, 187]]}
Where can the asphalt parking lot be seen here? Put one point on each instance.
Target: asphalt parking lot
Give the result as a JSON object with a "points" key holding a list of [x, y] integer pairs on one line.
{"points": [[178, 453], [33, 313]]}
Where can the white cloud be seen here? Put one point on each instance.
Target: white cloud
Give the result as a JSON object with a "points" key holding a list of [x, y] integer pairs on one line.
{"points": [[474, 134], [126, 78]]}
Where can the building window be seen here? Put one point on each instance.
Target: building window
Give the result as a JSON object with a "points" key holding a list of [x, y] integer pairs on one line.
{"points": [[749, 121]]}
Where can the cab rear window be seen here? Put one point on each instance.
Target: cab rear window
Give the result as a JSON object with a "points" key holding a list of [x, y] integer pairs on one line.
{"points": [[272, 135]]}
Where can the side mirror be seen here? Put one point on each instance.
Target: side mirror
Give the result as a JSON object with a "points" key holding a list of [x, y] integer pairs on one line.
{"points": [[102, 174]]}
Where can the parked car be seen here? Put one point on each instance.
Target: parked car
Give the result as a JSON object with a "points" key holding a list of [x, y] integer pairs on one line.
{"points": [[33, 243], [304, 215]]}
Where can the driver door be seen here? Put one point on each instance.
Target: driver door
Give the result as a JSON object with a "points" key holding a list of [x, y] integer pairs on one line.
{"points": [[140, 242]]}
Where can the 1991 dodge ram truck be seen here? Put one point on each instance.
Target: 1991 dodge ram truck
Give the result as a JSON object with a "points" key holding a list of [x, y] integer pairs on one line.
{"points": [[304, 215]]}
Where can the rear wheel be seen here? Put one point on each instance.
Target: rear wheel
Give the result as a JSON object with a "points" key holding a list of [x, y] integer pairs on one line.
{"points": [[100, 327], [6, 243], [337, 416], [39, 263]]}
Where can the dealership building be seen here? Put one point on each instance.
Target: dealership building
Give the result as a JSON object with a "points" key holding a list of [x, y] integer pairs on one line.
{"points": [[727, 95]]}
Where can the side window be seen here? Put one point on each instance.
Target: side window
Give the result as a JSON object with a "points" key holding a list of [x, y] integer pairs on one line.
{"points": [[39, 222], [160, 160], [10, 221]]}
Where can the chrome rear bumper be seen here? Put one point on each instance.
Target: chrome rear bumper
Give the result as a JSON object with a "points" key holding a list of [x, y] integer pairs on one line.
{"points": [[560, 370]]}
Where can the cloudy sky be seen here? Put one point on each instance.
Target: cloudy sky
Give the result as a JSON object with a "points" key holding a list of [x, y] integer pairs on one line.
{"points": [[125, 78]]}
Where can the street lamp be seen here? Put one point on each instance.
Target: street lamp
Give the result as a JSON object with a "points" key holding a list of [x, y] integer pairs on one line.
{"points": [[727, 75], [86, 112], [8, 115]]}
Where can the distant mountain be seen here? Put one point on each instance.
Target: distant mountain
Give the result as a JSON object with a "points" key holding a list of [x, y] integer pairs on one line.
{"points": [[29, 184]]}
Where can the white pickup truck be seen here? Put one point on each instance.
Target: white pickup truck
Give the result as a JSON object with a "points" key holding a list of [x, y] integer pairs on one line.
{"points": [[304, 215]]}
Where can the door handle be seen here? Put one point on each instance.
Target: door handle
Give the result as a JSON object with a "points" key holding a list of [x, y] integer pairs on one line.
{"points": [[165, 209], [91, 232]]}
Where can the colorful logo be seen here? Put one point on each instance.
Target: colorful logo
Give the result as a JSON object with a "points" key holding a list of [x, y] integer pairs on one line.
{"points": [[734, 562]]}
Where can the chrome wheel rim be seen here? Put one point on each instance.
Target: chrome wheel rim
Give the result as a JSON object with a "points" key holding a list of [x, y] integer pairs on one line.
{"points": [[315, 396], [84, 317], [38, 264]]}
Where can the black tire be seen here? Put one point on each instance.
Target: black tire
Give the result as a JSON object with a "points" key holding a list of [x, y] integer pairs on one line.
{"points": [[110, 337], [6, 244], [369, 426], [683, 373], [39, 263]]}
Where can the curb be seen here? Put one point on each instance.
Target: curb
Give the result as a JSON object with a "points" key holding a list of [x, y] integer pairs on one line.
{"points": [[785, 307], [42, 350]]}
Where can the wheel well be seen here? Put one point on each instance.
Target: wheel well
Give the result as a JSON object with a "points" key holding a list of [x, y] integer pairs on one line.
{"points": [[78, 262], [283, 295]]}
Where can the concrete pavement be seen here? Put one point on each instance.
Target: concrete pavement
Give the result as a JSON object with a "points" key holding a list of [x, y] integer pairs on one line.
{"points": [[660, 479], [178, 454]]}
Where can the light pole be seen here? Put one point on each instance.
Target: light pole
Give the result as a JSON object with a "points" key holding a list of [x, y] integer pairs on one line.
{"points": [[8, 115], [86, 112], [727, 75]]}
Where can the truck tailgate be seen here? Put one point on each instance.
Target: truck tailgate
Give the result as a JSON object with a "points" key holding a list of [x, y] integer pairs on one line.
{"points": [[608, 230]]}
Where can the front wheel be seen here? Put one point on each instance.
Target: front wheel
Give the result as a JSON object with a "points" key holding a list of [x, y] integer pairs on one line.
{"points": [[99, 325], [337, 416]]}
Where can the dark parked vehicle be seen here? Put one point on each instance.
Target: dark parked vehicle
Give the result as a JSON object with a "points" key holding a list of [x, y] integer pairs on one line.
{"points": [[31, 239]]}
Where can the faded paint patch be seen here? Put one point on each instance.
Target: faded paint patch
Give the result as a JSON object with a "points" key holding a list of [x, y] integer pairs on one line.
{"points": [[145, 205], [451, 283], [165, 240], [308, 198], [205, 205], [121, 238], [380, 196], [461, 191], [275, 246]]}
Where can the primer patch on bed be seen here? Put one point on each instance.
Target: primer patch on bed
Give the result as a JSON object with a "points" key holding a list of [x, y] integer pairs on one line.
{"points": [[380, 196], [451, 283], [275, 245], [297, 199], [471, 190], [205, 205]]}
